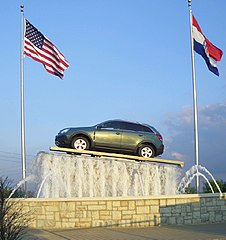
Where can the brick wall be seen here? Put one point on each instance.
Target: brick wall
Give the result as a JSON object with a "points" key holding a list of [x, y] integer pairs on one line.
{"points": [[127, 211]]}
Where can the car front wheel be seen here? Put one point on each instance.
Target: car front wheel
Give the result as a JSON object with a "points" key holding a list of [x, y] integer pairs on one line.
{"points": [[146, 151], [80, 143]]}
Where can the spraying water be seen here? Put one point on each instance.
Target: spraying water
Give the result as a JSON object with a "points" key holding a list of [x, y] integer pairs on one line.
{"points": [[64, 175], [23, 181], [192, 173]]}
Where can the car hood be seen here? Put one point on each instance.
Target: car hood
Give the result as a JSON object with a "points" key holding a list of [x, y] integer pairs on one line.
{"points": [[76, 129]]}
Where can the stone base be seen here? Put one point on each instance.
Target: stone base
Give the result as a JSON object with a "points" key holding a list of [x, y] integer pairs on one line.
{"points": [[125, 211]]}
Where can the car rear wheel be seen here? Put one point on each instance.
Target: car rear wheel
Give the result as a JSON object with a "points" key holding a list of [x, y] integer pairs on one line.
{"points": [[146, 151], [80, 143]]}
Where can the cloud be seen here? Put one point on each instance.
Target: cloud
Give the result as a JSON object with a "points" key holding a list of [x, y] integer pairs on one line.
{"points": [[178, 156], [212, 132], [213, 115]]}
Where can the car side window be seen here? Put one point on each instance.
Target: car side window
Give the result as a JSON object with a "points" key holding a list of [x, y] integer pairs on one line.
{"points": [[111, 125], [133, 127], [147, 129]]}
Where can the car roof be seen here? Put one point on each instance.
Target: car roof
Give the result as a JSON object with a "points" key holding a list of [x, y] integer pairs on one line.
{"points": [[121, 120]]}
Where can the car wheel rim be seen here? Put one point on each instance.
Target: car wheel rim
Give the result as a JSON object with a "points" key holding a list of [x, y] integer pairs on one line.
{"points": [[146, 152], [80, 144]]}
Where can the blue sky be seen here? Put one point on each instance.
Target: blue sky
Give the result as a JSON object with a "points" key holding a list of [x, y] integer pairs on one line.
{"points": [[128, 60]]}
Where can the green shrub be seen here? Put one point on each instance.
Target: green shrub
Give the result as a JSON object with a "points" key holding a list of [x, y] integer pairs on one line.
{"points": [[13, 220], [221, 184]]}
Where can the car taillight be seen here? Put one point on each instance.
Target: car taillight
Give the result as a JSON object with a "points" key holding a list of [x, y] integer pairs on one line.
{"points": [[159, 136]]}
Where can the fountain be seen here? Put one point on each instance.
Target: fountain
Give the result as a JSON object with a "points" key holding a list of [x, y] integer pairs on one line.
{"points": [[85, 191], [66, 175]]}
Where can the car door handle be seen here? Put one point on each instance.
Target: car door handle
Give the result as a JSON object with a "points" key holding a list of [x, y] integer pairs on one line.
{"points": [[140, 135], [117, 133]]}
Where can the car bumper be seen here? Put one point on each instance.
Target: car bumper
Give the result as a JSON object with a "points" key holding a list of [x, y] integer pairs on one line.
{"points": [[160, 150], [62, 141]]}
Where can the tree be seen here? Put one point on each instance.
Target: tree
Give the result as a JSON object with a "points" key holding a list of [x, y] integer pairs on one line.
{"points": [[13, 220], [190, 189], [221, 184]]}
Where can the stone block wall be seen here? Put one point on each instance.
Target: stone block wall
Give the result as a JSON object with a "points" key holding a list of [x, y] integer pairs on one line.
{"points": [[126, 211]]}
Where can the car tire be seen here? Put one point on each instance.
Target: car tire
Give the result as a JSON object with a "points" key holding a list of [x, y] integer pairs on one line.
{"points": [[146, 151], [80, 143]]}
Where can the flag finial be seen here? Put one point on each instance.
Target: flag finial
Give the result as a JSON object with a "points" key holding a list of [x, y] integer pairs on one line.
{"points": [[21, 8], [189, 3]]}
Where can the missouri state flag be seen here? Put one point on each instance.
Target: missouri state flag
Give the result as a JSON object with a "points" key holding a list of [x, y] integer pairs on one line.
{"points": [[205, 48]]}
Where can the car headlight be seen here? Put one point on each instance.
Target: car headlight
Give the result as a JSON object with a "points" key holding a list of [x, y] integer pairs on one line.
{"points": [[64, 131]]}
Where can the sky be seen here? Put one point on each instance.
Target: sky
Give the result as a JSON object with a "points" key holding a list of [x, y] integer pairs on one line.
{"points": [[128, 60]]}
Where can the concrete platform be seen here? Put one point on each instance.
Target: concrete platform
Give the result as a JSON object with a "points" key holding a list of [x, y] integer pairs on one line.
{"points": [[188, 232]]}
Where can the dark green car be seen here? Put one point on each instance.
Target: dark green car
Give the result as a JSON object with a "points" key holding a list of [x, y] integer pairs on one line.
{"points": [[114, 136]]}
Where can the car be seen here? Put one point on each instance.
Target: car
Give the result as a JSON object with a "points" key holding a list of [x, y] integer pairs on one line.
{"points": [[117, 136]]}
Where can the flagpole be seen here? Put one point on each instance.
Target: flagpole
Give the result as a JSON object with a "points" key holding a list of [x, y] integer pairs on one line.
{"points": [[195, 111], [23, 151]]}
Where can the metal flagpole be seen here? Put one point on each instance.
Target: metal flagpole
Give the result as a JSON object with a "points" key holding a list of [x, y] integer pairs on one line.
{"points": [[194, 101], [23, 151]]}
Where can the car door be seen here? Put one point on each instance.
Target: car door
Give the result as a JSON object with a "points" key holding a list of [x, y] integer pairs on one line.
{"points": [[132, 135], [108, 135]]}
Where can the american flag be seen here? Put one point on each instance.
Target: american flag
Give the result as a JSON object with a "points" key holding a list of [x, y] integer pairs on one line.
{"points": [[40, 48]]}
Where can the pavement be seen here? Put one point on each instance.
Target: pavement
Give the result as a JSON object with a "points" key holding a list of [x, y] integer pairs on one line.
{"points": [[187, 232]]}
